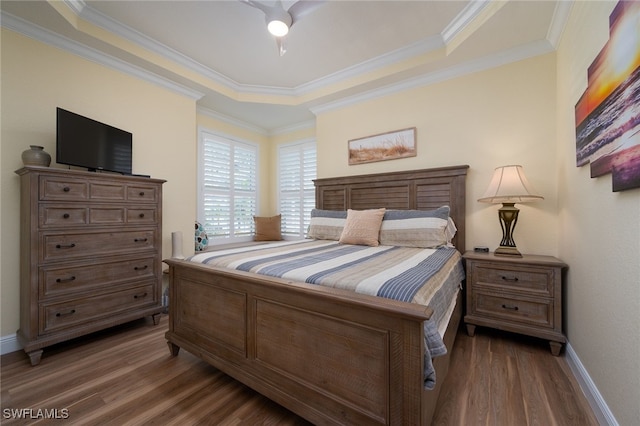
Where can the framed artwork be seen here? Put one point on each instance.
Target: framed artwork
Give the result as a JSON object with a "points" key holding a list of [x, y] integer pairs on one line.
{"points": [[608, 113], [384, 146]]}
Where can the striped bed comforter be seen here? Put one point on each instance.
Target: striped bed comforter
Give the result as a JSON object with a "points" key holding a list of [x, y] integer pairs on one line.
{"points": [[425, 276]]}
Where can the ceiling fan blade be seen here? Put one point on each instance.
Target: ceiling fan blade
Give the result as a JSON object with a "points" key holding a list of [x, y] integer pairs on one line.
{"points": [[263, 7], [302, 8]]}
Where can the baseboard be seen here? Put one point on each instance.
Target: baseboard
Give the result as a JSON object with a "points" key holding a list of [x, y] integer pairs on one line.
{"points": [[9, 344], [597, 403]]}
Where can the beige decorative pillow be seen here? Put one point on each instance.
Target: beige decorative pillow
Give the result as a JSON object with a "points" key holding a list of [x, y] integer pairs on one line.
{"points": [[267, 228], [362, 227]]}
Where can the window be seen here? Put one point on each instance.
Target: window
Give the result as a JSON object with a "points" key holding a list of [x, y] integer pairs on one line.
{"points": [[297, 169], [228, 196]]}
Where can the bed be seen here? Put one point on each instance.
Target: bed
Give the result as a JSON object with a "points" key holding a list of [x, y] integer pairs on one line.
{"points": [[331, 355]]}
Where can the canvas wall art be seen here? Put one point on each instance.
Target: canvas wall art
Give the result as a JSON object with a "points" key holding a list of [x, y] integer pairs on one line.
{"points": [[608, 113]]}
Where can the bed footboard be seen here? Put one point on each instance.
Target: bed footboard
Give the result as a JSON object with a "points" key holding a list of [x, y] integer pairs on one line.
{"points": [[329, 356]]}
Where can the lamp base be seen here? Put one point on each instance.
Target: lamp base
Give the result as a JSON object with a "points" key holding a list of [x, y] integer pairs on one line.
{"points": [[507, 251]]}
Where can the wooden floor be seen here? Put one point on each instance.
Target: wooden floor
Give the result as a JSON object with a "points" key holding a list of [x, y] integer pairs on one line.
{"points": [[125, 376]]}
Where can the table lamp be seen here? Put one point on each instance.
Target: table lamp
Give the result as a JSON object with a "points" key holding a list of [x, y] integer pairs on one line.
{"points": [[508, 186]]}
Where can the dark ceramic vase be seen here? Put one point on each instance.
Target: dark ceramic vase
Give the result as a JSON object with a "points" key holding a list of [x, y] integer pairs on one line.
{"points": [[36, 156]]}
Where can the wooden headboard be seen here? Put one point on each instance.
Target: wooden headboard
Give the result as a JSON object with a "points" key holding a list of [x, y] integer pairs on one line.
{"points": [[425, 189]]}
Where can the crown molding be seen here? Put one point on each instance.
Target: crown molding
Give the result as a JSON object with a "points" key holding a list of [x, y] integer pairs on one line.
{"points": [[101, 20], [421, 47], [309, 124], [43, 35], [463, 19], [559, 22], [502, 58], [418, 48], [231, 120], [77, 6]]}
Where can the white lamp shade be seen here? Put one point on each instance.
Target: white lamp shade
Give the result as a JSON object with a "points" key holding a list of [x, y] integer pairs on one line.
{"points": [[509, 185]]}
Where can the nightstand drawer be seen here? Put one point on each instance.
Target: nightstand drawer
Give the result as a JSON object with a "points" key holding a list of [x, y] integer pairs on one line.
{"points": [[526, 311], [519, 278]]}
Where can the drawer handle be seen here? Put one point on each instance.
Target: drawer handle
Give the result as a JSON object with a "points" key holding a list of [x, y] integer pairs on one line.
{"points": [[140, 268], [66, 189], [140, 296], [66, 280], [511, 279], [64, 314], [65, 246], [141, 215], [66, 215], [140, 240], [141, 193], [511, 308]]}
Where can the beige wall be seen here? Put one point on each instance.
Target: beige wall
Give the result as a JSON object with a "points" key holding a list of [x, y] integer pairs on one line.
{"points": [[37, 78], [488, 119], [599, 236]]}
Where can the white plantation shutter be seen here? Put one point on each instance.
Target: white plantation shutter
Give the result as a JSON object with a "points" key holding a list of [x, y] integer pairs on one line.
{"points": [[228, 187], [297, 169]]}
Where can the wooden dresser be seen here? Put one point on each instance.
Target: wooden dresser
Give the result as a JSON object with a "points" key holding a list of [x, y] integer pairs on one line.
{"points": [[90, 253], [518, 294]]}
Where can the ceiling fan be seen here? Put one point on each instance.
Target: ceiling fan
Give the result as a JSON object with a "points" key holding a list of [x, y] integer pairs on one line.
{"points": [[279, 20]]}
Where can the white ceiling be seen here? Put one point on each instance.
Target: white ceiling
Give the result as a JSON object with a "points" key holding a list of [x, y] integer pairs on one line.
{"points": [[220, 53]]}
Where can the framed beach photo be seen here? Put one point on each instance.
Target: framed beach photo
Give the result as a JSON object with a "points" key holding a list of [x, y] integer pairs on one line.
{"points": [[384, 146]]}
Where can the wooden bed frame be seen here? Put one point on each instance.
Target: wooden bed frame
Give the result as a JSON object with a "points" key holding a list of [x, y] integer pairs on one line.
{"points": [[328, 355]]}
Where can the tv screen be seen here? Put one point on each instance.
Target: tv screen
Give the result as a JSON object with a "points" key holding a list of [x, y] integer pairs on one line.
{"points": [[83, 142]]}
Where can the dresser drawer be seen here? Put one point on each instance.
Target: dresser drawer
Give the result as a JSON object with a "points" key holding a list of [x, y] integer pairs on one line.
{"points": [[107, 215], [58, 316], [513, 309], [107, 191], [59, 281], [142, 193], [69, 246], [58, 188], [518, 278], [136, 215], [52, 216]]}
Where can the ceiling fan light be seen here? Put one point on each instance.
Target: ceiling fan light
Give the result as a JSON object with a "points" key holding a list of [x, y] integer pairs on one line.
{"points": [[278, 28], [278, 22]]}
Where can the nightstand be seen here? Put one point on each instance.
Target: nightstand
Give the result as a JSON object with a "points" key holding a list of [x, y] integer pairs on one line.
{"points": [[517, 294]]}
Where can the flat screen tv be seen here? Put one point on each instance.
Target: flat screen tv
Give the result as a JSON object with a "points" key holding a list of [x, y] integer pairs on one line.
{"points": [[84, 142]]}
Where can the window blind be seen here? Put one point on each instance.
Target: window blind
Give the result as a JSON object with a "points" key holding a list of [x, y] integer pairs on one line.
{"points": [[297, 169], [228, 190]]}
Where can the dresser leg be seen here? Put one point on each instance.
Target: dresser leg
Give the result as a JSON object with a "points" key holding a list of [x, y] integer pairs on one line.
{"points": [[35, 356], [555, 348], [156, 319], [471, 330], [173, 348]]}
